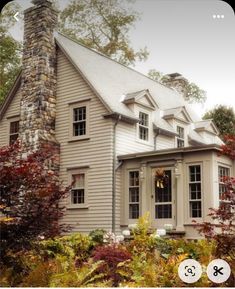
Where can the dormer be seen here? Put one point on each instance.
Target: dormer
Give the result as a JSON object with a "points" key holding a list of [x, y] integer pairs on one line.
{"points": [[143, 106], [141, 98], [206, 126], [179, 119], [177, 113]]}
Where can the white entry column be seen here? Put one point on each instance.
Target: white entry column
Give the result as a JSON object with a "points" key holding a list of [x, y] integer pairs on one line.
{"points": [[180, 203]]}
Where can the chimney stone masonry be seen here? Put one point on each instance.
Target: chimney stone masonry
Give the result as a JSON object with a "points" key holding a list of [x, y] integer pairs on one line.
{"points": [[178, 82], [38, 86]]}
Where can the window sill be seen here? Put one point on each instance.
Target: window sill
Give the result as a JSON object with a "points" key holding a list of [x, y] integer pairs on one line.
{"points": [[145, 142], [78, 139], [71, 207]]}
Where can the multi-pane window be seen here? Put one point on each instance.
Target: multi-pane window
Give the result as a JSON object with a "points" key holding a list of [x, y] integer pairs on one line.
{"points": [[195, 191], [79, 121], [14, 131], [143, 126], [223, 173], [78, 189], [134, 195], [180, 137], [163, 198]]}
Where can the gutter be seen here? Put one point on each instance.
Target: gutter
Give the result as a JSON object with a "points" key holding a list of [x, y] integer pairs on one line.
{"points": [[114, 175]]}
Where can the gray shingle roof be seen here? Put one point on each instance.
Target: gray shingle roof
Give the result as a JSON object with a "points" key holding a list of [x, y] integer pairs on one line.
{"points": [[111, 79]]}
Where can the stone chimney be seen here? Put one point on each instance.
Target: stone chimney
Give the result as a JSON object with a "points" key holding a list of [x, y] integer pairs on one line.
{"points": [[177, 81], [38, 86]]}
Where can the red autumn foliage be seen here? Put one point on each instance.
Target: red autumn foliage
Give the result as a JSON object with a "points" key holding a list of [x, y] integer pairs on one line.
{"points": [[112, 255], [229, 148], [29, 198]]}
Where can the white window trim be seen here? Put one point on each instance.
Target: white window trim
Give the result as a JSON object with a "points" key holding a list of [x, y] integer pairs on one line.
{"points": [[85, 205], [188, 192], [148, 127], [10, 120], [71, 109], [128, 177], [219, 181], [178, 137]]}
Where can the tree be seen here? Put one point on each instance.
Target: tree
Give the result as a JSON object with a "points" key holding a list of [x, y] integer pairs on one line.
{"points": [[102, 25], [193, 92], [30, 195], [224, 119], [10, 52]]}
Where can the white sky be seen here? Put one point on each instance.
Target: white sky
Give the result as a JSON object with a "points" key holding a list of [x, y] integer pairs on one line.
{"points": [[182, 36]]}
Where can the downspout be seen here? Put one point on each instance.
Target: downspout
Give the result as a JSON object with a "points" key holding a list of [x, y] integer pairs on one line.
{"points": [[155, 139], [114, 176]]}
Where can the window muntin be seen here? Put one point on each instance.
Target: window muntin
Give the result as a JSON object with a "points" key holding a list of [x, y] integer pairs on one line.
{"points": [[180, 138], [223, 173], [14, 131], [143, 126], [195, 191], [163, 198], [79, 121], [134, 195], [78, 189]]}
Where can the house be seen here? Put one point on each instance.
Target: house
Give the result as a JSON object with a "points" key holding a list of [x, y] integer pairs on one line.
{"points": [[131, 144]]}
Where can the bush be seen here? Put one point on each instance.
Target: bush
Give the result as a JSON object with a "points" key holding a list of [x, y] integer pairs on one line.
{"points": [[113, 255], [97, 236]]}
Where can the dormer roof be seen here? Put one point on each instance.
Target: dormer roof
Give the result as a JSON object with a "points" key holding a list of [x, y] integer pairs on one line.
{"points": [[206, 125], [142, 97], [179, 113]]}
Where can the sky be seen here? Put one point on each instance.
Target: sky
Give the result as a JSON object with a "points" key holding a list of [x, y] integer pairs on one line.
{"points": [[193, 37]]}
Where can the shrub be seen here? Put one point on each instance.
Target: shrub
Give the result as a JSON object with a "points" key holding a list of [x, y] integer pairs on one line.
{"points": [[113, 255], [97, 236]]}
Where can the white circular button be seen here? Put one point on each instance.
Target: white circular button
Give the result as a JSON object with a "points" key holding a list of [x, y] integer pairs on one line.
{"points": [[218, 271], [190, 271]]}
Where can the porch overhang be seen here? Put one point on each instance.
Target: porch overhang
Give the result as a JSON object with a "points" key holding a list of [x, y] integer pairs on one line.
{"points": [[184, 150]]}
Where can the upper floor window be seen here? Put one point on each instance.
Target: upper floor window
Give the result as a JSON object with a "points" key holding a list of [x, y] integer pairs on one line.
{"points": [[195, 191], [79, 121], [14, 131], [134, 195], [78, 189], [143, 126], [223, 173], [180, 137]]}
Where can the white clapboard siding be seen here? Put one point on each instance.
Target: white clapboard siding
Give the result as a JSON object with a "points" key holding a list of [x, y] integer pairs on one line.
{"points": [[13, 110], [95, 152], [165, 142]]}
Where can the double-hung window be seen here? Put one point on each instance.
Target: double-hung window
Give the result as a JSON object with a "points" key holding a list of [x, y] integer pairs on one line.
{"points": [[79, 121], [195, 191], [143, 126], [223, 173], [78, 190], [134, 195], [14, 131], [180, 137]]}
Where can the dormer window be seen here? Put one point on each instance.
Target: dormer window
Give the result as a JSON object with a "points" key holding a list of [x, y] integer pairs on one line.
{"points": [[143, 126], [180, 137]]}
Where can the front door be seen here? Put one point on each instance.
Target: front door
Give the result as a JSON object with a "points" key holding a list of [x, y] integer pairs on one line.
{"points": [[163, 198]]}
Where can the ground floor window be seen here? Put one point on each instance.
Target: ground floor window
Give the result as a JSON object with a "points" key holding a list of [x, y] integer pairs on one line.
{"points": [[223, 173], [78, 189], [134, 195], [195, 191]]}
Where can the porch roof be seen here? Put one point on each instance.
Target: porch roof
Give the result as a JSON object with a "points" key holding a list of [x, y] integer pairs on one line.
{"points": [[170, 151]]}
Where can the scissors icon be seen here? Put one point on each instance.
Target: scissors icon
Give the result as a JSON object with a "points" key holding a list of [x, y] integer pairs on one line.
{"points": [[218, 271]]}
